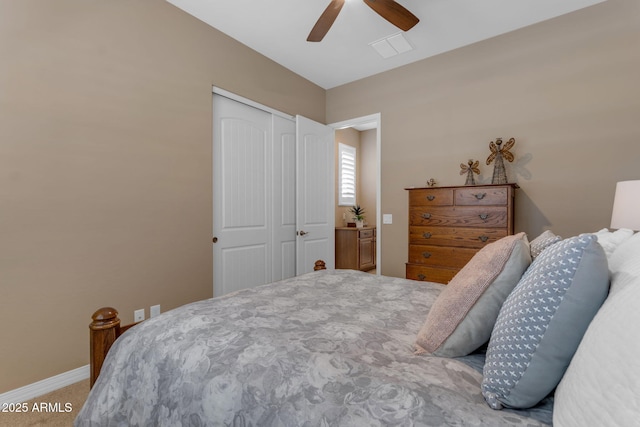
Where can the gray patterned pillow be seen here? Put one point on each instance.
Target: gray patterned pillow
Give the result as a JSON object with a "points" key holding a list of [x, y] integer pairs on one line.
{"points": [[543, 241], [542, 322]]}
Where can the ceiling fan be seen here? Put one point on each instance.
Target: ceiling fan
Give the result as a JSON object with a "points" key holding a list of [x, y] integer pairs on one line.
{"points": [[388, 9]]}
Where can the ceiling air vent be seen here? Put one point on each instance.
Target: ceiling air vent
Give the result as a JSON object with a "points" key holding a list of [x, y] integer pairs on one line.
{"points": [[391, 45]]}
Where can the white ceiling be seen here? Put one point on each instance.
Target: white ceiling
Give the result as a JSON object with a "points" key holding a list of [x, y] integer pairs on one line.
{"points": [[278, 29]]}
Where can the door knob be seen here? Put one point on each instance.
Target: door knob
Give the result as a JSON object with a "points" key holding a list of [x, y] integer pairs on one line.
{"points": [[302, 233], [215, 240]]}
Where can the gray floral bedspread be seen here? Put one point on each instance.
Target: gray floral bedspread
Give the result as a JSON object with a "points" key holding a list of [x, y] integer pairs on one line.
{"points": [[330, 348]]}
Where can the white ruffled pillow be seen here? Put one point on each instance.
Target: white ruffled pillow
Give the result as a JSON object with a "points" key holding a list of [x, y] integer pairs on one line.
{"points": [[610, 240], [601, 387]]}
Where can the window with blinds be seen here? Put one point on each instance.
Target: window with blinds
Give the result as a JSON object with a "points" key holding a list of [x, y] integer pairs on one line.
{"points": [[346, 175]]}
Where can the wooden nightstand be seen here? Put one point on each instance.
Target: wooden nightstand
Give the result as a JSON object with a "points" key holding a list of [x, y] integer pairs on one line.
{"points": [[356, 248]]}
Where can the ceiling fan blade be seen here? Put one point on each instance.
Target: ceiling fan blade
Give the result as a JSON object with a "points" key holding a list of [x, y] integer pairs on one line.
{"points": [[325, 21], [394, 13]]}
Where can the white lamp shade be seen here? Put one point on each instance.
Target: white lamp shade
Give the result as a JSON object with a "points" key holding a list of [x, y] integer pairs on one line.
{"points": [[626, 206]]}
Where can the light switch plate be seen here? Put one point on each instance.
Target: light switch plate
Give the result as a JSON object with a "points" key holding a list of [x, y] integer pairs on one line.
{"points": [[387, 218]]}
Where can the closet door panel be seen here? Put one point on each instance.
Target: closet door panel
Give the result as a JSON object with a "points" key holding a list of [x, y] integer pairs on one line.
{"points": [[242, 217], [284, 198]]}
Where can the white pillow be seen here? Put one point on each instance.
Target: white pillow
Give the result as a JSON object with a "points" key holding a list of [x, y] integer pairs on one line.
{"points": [[602, 384], [611, 240]]}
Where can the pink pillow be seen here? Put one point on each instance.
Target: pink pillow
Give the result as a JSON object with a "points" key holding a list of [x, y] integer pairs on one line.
{"points": [[463, 316]]}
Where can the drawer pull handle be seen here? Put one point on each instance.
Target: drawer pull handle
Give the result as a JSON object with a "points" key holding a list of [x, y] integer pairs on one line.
{"points": [[426, 254], [421, 276], [483, 238], [426, 215], [480, 196], [426, 235], [431, 197], [484, 216]]}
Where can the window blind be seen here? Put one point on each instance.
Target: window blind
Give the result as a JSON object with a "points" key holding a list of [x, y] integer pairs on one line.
{"points": [[346, 175]]}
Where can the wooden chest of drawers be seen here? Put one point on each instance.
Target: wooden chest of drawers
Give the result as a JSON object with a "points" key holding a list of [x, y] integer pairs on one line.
{"points": [[448, 225]]}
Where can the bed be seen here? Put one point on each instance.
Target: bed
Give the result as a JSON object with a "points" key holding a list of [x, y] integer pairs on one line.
{"points": [[337, 348], [325, 348]]}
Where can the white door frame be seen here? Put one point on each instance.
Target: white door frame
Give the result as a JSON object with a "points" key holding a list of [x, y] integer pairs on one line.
{"points": [[372, 118]]}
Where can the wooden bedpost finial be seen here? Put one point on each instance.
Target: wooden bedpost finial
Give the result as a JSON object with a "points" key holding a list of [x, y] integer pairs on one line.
{"points": [[104, 318], [103, 332], [320, 265]]}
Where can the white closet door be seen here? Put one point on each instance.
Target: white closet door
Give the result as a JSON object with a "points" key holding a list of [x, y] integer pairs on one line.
{"points": [[315, 200], [284, 198], [273, 195], [242, 182]]}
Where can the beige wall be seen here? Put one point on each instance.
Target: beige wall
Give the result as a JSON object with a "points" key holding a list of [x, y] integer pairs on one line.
{"points": [[105, 165], [567, 89]]}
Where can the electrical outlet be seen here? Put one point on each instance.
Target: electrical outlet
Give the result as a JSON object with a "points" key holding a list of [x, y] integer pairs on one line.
{"points": [[138, 315], [154, 311]]}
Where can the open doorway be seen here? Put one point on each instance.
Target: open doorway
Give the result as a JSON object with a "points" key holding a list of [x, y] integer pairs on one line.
{"points": [[367, 131]]}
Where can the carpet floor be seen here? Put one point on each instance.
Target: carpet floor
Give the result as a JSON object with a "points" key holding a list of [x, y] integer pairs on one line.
{"points": [[56, 409]]}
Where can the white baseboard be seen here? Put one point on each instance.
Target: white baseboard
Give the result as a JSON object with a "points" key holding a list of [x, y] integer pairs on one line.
{"points": [[45, 386]]}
